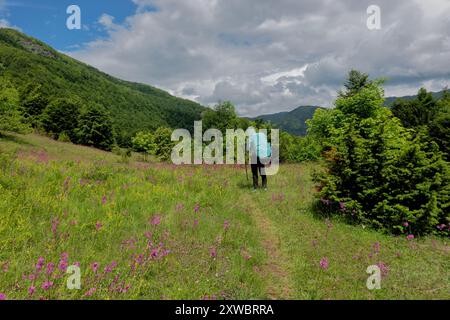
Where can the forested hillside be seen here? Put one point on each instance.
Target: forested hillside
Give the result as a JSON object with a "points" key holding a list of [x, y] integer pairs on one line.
{"points": [[40, 74]]}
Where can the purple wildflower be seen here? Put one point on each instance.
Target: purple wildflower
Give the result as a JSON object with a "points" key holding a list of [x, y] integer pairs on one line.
{"points": [[47, 285], [213, 252], [324, 263], [31, 290]]}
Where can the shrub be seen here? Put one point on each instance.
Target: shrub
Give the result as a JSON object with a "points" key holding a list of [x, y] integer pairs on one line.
{"points": [[380, 174]]}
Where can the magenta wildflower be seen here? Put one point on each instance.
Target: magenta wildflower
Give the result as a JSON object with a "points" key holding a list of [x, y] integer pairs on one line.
{"points": [[196, 222], [376, 247], [31, 290], [47, 285], [98, 225], [55, 223], [405, 224], [226, 225], [2, 296], [154, 253], [324, 263], [90, 292], [156, 220], [197, 208], [95, 266], [441, 227], [110, 268], [40, 264], [213, 252], [63, 265], [148, 235], [104, 200], [383, 268], [50, 268], [410, 237], [64, 256]]}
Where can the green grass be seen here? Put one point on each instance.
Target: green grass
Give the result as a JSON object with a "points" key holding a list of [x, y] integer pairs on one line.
{"points": [[271, 248]]}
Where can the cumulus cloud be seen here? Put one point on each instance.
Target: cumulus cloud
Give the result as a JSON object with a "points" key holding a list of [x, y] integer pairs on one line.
{"points": [[269, 56]]}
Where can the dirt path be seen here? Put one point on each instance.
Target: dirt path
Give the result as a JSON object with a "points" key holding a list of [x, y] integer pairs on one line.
{"points": [[275, 271]]}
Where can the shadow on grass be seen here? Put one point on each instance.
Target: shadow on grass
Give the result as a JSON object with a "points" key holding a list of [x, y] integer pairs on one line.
{"points": [[13, 138], [244, 185]]}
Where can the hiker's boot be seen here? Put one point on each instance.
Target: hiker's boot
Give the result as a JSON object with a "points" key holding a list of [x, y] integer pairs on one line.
{"points": [[255, 183], [264, 182]]}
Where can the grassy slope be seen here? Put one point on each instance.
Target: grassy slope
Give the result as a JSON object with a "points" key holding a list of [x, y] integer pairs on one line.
{"points": [[43, 181]]}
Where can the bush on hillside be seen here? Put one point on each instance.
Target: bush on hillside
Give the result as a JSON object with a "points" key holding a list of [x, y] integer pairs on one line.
{"points": [[379, 173]]}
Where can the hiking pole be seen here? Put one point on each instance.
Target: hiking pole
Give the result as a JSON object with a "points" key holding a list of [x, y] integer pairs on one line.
{"points": [[245, 159]]}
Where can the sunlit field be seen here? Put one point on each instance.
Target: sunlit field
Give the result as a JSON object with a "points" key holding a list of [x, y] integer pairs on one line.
{"points": [[147, 230]]}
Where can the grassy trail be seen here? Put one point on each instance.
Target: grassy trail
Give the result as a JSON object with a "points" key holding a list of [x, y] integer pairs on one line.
{"points": [[157, 231], [274, 270]]}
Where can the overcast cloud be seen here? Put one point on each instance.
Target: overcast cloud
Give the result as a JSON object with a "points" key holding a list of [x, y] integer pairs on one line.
{"points": [[268, 56]]}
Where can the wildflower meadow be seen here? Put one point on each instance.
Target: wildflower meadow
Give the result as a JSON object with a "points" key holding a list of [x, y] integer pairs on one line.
{"points": [[150, 230]]}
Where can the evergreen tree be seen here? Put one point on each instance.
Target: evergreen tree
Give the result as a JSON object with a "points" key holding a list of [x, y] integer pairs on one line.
{"points": [[95, 128]]}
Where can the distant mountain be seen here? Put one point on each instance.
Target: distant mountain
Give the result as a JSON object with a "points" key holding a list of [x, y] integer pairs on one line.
{"points": [[390, 100], [293, 121], [26, 61]]}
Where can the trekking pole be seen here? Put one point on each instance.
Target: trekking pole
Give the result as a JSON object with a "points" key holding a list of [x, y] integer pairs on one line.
{"points": [[245, 159]]}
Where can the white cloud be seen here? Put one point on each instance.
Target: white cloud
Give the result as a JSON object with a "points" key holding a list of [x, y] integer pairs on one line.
{"points": [[269, 56]]}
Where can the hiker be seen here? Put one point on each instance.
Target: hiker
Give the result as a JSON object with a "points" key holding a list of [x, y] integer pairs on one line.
{"points": [[259, 152]]}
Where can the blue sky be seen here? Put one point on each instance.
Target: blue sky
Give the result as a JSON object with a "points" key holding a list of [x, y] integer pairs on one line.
{"points": [[46, 19]]}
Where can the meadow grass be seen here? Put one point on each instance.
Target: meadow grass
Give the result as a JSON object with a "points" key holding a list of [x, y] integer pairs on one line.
{"points": [[148, 230]]}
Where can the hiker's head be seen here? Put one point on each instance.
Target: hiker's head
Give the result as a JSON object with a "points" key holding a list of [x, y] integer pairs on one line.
{"points": [[250, 131]]}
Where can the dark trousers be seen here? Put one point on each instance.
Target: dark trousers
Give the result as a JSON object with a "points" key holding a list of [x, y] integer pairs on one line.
{"points": [[255, 169]]}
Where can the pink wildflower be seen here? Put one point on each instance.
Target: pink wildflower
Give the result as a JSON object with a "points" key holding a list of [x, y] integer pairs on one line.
{"points": [[95, 266], [2, 296], [226, 225], [156, 220], [90, 292], [98, 225], [213, 252], [40, 264], [31, 290], [47, 285], [410, 237], [376, 247], [324, 263]]}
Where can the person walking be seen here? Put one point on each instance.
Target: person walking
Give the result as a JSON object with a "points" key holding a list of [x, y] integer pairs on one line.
{"points": [[259, 154]]}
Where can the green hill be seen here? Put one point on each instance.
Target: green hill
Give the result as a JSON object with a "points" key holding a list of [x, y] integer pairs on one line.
{"points": [[26, 61], [293, 121], [390, 100]]}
